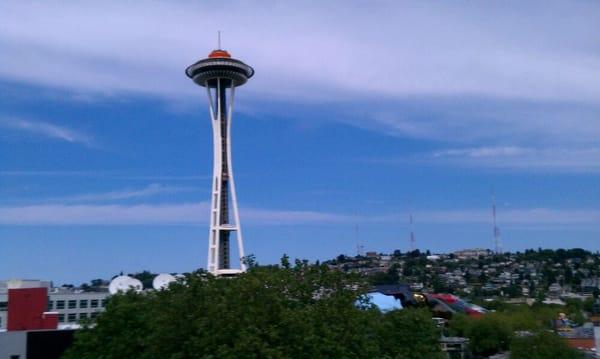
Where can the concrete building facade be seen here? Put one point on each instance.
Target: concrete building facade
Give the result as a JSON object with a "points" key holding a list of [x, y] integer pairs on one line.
{"points": [[72, 305]]}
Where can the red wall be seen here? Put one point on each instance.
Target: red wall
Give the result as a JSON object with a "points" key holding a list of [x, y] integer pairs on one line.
{"points": [[577, 343], [26, 307], [50, 320]]}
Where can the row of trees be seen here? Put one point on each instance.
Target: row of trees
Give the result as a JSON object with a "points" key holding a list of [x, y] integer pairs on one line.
{"points": [[496, 332], [287, 311], [298, 311]]}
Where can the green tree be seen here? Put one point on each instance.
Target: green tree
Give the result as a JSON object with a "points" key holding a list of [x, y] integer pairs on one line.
{"points": [[513, 291], [588, 304], [488, 334], [389, 277], [409, 334], [145, 277], [128, 314], [542, 345], [305, 311]]}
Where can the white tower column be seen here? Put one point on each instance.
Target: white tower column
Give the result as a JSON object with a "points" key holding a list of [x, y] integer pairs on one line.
{"points": [[221, 74], [224, 215]]}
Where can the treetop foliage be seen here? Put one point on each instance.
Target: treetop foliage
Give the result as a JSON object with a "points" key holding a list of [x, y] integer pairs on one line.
{"points": [[495, 332], [287, 311], [542, 345]]}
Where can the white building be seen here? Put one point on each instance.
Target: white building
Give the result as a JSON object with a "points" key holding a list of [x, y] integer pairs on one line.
{"points": [[72, 304], [471, 253]]}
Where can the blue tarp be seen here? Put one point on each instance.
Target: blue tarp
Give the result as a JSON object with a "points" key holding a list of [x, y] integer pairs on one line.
{"points": [[384, 302]]}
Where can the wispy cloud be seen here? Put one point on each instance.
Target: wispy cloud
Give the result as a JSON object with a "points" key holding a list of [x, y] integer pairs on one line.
{"points": [[148, 191], [514, 158], [89, 214], [483, 152], [402, 48], [118, 175], [535, 216], [585, 160], [159, 214], [197, 214], [282, 217], [48, 130], [461, 74]]}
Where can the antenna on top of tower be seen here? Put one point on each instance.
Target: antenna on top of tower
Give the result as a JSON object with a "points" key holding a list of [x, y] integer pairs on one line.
{"points": [[218, 39], [412, 233], [496, 230]]}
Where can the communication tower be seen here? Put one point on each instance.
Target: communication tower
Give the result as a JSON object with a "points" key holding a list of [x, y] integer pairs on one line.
{"points": [[412, 233], [220, 74], [496, 230]]}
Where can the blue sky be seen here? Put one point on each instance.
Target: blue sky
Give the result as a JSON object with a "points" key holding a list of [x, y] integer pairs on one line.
{"points": [[359, 113]]}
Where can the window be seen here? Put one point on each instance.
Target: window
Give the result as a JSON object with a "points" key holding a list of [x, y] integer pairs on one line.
{"points": [[72, 304], [94, 315], [94, 303], [61, 317], [103, 303], [15, 356], [60, 304], [3, 306], [50, 305], [83, 303], [72, 317], [83, 316]]}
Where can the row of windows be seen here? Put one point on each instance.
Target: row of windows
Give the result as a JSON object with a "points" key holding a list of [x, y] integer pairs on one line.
{"points": [[73, 317], [72, 304]]}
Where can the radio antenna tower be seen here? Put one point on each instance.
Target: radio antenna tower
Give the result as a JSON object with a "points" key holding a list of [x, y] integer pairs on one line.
{"points": [[359, 247], [359, 250], [496, 230], [412, 232], [220, 74]]}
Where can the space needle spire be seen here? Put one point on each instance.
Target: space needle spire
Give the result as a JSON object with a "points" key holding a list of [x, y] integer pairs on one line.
{"points": [[220, 74]]}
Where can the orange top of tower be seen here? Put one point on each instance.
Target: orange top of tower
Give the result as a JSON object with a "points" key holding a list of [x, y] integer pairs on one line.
{"points": [[219, 53]]}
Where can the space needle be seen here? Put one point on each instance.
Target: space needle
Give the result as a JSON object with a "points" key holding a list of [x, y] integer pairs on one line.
{"points": [[220, 74]]}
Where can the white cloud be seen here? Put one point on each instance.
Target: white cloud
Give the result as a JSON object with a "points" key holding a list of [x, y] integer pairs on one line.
{"points": [[102, 174], [386, 48], [539, 216], [197, 214], [514, 158], [157, 214], [467, 73], [495, 123], [482, 152], [276, 217], [148, 191], [48, 130], [89, 214], [585, 160]]}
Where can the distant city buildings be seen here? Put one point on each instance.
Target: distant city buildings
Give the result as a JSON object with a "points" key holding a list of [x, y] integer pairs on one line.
{"points": [[555, 275], [471, 253], [71, 305], [34, 311], [37, 321]]}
